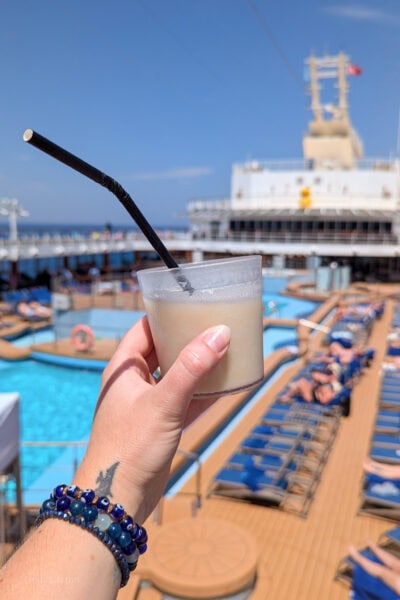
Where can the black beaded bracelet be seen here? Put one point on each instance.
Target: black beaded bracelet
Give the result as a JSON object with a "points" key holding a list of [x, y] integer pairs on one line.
{"points": [[108, 522]]}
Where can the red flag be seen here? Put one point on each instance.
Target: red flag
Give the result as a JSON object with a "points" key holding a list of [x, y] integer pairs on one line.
{"points": [[353, 70]]}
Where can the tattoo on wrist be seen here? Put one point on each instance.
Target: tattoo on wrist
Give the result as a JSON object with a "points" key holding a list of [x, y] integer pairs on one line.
{"points": [[104, 481]]}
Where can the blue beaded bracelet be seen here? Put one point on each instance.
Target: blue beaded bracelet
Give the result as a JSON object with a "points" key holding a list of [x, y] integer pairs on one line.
{"points": [[108, 522]]}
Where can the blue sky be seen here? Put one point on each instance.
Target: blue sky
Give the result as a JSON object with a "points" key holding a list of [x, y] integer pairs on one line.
{"points": [[164, 95]]}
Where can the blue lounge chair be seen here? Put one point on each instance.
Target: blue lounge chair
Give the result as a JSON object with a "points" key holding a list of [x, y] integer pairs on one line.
{"points": [[247, 483], [272, 445], [41, 294], [389, 440], [390, 539], [369, 587], [347, 564], [290, 432], [300, 406], [268, 464], [391, 377], [308, 464], [381, 497], [363, 585], [269, 430], [319, 427], [386, 454], [389, 414], [391, 426], [253, 485], [389, 401], [304, 414], [390, 390]]}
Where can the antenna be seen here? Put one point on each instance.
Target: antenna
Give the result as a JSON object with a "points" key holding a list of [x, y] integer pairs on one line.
{"points": [[11, 208]]}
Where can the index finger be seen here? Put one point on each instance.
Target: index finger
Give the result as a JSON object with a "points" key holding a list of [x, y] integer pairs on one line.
{"points": [[138, 340]]}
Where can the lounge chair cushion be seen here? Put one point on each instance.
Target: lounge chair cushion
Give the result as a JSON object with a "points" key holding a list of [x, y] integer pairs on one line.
{"points": [[368, 587]]}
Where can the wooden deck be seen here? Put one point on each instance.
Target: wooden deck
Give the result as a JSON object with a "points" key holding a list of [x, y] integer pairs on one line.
{"points": [[195, 552], [296, 558]]}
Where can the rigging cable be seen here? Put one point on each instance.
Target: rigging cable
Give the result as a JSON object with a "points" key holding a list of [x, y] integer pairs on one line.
{"points": [[180, 42], [272, 39]]}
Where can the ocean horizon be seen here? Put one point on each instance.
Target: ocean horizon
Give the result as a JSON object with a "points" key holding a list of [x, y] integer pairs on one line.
{"points": [[41, 228]]}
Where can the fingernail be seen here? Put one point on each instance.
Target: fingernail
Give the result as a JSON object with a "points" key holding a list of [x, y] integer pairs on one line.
{"points": [[217, 338]]}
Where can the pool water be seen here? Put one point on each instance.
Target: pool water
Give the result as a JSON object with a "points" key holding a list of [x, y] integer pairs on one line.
{"points": [[37, 337], [283, 307], [57, 403]]}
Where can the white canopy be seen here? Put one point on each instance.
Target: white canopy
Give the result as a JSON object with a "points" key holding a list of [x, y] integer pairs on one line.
{"points": [[9, 429]]}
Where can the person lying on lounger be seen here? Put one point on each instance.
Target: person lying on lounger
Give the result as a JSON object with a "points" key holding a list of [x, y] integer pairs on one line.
{"points": [[322, 387], [387, 570], [33, 310], [39, 310], [4, 323], [350, 360], [393, 340], [384, 470], [332, 355], [325, 393], [24, 310], [357, 311]]}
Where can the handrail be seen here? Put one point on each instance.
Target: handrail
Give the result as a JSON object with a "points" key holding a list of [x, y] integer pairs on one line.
{"points": [[57, 443], [196, 458], [3, 480], [157, 515], [255, 235]]}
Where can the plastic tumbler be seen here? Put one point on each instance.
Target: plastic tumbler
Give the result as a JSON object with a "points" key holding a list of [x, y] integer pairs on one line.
{"points": [[223, 292]]}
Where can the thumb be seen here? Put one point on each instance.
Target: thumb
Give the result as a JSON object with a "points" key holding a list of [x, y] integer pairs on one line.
{"points": [[194, 362]]}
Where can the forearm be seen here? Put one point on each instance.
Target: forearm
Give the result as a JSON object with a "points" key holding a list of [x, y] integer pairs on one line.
{"points": [[54, 559], [62, 555], [91, 536]]}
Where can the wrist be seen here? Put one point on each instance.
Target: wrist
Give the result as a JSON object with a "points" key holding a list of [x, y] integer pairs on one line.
{"points": [[108, 521], [111, 482]]}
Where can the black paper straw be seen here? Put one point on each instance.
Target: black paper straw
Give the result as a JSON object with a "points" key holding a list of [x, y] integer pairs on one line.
{"points": [[42, 143]]}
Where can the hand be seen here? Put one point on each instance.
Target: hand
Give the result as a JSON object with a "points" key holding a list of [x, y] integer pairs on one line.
{"points": [[138, 422]]}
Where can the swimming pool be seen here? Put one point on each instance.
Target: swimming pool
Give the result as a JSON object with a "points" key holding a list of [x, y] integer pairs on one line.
{"points": [[285, 307], [36, 337], [57, 403]]}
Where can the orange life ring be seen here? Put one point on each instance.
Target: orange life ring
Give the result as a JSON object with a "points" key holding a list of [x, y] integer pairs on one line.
{"points": [[82, 337]]}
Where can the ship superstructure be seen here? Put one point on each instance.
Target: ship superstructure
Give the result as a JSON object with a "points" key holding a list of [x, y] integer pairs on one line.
{"points": [[331, 204]]}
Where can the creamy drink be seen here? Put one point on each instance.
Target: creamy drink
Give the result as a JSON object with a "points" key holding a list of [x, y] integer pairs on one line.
{"points": [[221, 292], [175, 324]]}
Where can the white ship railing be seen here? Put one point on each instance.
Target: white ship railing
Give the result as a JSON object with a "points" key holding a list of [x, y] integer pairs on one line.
{"points": [[117, 239], [54, 245], [209, 204], [307, 238], [379, 163]]}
